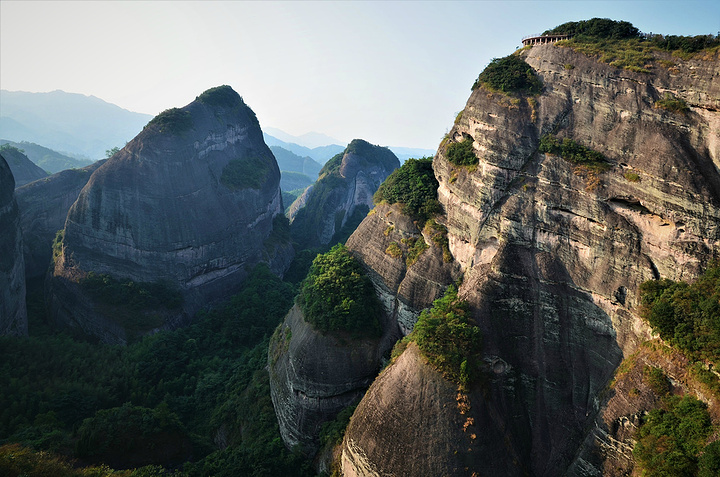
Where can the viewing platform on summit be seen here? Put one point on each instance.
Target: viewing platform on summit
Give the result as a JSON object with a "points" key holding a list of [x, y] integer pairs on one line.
{"points": [[543, 39]]}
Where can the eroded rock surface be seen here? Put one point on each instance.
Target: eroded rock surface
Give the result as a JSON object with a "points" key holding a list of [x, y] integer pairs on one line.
{"points": [[190, 202], [13, 312], [553, 256], [314, 376], [345, 189], [44, 206]]}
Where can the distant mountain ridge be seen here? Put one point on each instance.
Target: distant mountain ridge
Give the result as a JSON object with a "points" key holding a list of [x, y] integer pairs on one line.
{"points": [[47, 159], [67, 122], [327, 147]]}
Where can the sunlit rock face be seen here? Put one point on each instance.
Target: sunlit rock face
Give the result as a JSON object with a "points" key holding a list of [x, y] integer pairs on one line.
{"points": [[191, 202], [13, 312], [552, 257], [344, 189]]}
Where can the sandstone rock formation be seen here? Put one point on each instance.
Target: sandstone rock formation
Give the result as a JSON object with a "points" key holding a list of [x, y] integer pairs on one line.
{"points": [[344, 191], [192, 202], [314, 376], [44, 206], [23, 169], [552, 257], [13, 312]]}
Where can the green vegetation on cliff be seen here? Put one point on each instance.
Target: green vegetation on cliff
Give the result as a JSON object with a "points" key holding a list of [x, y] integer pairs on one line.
{"points": [[223, 96], [509, 75], [573, 152], [671, 103], [172, 121], [448, 339], [338, 296], [672, 438], [462, 153], [413, 185], [620, 44], [247, 173], [686, 315]]}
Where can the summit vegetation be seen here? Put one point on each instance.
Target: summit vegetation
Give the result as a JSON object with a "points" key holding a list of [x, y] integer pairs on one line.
{"points": [[510, 75], [620, 44], [414, 187], [338, 296], [172, 121]]}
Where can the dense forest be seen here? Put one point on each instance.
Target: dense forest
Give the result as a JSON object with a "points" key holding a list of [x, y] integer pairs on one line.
{"points": [[195, 400]]}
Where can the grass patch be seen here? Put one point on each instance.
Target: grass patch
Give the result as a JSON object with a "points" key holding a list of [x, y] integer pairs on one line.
{"points": [[438, 236], [574, 153], [394, 250], [631, 177], [670, 103], [416, 247]]}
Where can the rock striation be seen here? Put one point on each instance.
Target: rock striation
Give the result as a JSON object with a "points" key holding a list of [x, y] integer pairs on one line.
{"points": [[44, 206], [314, 376], [342, 194], [193, 202], [13, 312], [552, 255]]}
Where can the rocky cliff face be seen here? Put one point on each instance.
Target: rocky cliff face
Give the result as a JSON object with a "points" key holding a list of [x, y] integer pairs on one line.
{"points": [[190, 202], [23, 169], [314, 376], [44, 206], [345, 188], [552, 256], [13, 313]]}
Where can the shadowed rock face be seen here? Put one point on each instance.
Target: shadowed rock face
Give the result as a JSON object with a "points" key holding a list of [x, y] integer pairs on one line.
{"points": [[189, 202], [13, 313], [23, 169], [44, 206], [552, 259], [346, 185]]}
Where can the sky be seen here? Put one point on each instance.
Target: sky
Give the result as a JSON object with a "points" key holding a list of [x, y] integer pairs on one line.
{"points": [[394, 72]]}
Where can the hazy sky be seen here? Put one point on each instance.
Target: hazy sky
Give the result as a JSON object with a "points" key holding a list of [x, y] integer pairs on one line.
{"points": [[394, 73]]}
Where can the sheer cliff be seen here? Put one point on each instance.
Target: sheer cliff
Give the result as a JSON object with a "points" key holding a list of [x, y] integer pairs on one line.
{"points": [[552, 253], [342, 194], [13, 312], [44, 206], [190, 205]]}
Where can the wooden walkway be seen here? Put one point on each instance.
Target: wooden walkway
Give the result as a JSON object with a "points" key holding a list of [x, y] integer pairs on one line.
{"points": [[543, 39]]}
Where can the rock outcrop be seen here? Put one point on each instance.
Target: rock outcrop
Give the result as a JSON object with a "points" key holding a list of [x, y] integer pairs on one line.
{"points": [[23, 169], [314, 376], [552, 256], [342, 194], [192, 202], [44, 206], [13, 312]]}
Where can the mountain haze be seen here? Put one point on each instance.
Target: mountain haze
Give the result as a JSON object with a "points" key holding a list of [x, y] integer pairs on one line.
{"points": [[67, 122]]}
